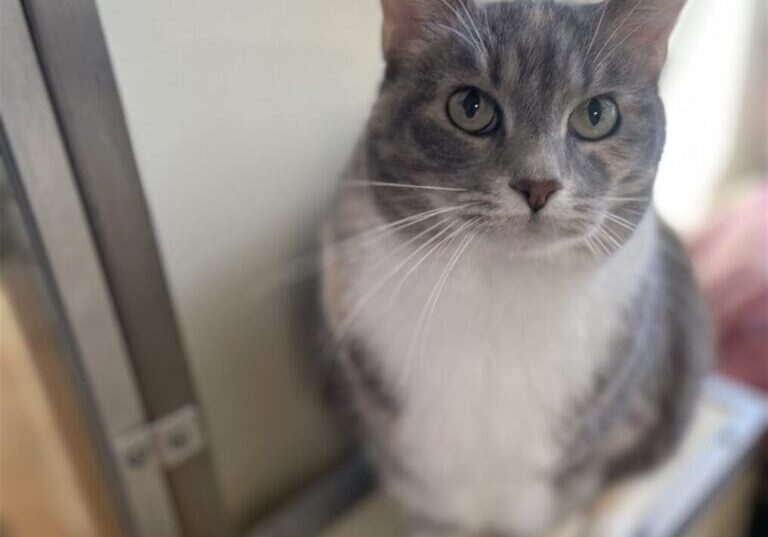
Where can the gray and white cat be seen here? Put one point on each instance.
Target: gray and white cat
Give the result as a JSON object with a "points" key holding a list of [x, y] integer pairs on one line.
{"points": [[516, 328]]}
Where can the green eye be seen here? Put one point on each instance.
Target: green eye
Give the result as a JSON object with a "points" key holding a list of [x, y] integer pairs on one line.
{"points": [[473, 111], [595, 119]]}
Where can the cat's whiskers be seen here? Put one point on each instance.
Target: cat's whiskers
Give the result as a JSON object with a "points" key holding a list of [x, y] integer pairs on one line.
{"points": [[623, 222], [354, 312], [416, 343], [387, 232], [384, 184], [638, 199], [447, 269], [445, 241], [588, 242], [413, 269], [416, 265], [597, 29], [391, 227], [609, 237], [608, 55], [486, 22], [639, 214], [458, 34], [471, 21], [304, 266], [355, 245], [404, 244], [462, 247], [602, 246], [352, 246], [474, 38], [615, 31]]}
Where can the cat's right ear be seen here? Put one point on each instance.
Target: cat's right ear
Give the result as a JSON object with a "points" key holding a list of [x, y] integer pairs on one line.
{"points": [[406, 22], [645, 24]]}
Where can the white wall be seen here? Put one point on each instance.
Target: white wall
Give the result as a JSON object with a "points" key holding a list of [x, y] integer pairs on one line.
{"points": [[242, 113], [703, 90]]}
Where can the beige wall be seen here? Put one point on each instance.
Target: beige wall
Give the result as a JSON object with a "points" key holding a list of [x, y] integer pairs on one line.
{"points": [[242, 113]]}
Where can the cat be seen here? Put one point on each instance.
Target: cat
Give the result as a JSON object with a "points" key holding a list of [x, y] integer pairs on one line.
{"points": [[517, 330]]}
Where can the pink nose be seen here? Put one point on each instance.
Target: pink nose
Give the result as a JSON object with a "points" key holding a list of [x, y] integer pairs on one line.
{"points": [[536, 192]]}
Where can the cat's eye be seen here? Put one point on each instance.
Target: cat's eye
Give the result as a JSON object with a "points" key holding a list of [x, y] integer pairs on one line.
{"points": [[473, 111], [595, 119]]}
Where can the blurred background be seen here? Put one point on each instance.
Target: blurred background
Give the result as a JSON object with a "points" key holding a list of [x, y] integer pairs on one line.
{"points": [[161, 160]]}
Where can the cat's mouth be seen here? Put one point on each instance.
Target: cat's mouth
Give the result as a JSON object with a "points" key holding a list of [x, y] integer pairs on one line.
{"points": [[540, 223], [534, 233]]}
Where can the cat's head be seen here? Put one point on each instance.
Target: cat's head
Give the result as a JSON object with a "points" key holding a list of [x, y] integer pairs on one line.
{"points": [[533, 121]]}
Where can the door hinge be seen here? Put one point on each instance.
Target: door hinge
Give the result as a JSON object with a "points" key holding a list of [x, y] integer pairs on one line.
{"points": [[168, 442]]}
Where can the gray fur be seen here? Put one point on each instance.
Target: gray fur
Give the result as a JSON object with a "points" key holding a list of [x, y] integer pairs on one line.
{"points": [[538, 60], [641, 404]]}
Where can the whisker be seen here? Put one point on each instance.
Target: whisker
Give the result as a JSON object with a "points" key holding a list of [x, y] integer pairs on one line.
{"points": [[354, 245], [441, 286], [344, 326], [591, 246], [406, 371], [616, 30], [416, 265], [455, 256], [606, 234], [486, 21], [445, 276], [620, 221], [457, 33], [403, 223], [449, 268], [601, 245], [363, 183], [478, 46], [633, 211], [418, 331], [304, 266], [597, 28], [608, 55], [608, 198], [474, 27], [400, 247]]}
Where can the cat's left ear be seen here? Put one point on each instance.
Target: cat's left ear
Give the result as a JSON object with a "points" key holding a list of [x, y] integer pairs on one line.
{"points": [[406, 23], [646, 24]]}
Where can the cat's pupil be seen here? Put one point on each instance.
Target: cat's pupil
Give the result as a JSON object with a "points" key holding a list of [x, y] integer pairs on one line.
{"points": [[471, 104], [594, 112]]}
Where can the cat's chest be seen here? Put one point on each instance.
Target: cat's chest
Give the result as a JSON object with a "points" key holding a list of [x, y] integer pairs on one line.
{"points": [[486, 358]]}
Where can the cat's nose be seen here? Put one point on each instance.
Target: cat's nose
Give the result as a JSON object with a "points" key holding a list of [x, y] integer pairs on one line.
{"points": [[536, 192]]}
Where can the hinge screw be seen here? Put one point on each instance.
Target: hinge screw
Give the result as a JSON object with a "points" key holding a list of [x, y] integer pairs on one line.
{"points": [[137, 456], [179, 439]]}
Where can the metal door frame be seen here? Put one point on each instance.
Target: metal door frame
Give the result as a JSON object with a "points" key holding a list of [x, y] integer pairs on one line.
{"points": [[77, 179]]}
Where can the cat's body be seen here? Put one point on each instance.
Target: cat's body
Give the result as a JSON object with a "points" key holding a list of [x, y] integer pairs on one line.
{"points": [[482, 428], [505, 373]]}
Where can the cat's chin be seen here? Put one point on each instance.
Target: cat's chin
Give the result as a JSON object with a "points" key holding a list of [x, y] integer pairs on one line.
{"points": [[535, 240]]}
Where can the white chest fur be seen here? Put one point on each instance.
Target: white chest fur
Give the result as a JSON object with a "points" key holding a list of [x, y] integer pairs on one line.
{"points": [[487, 373]]}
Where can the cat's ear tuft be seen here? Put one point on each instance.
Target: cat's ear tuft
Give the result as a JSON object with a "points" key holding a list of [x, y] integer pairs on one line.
{"points": [[406, 22], [646, 24]]}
